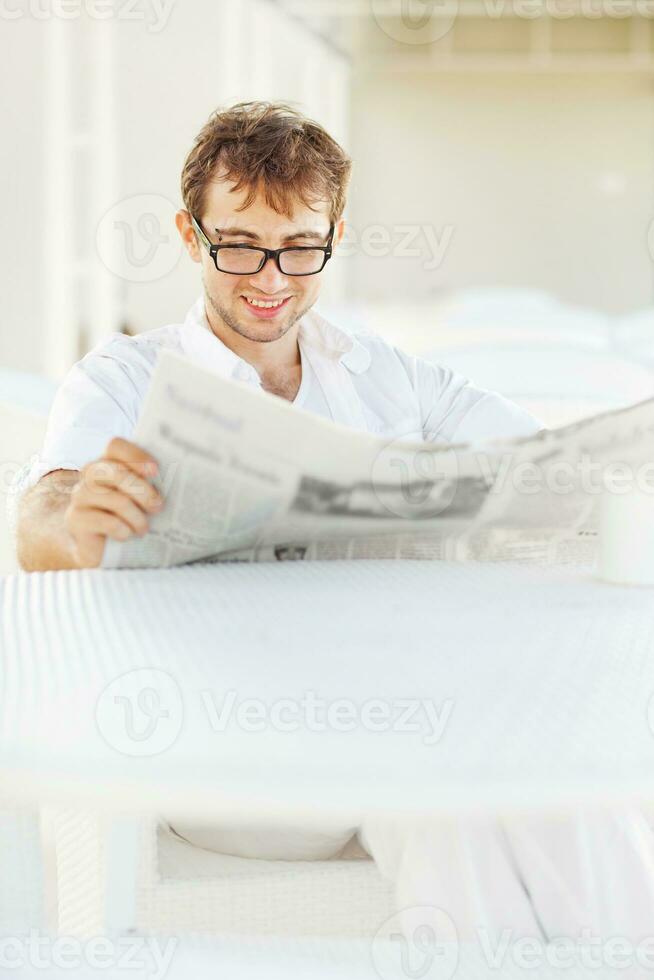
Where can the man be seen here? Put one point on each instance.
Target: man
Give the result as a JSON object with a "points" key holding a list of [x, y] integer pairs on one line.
{"points": [[259, 177], [264, 192]]}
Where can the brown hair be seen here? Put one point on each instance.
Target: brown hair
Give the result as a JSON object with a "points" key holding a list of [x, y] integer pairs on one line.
{"points": [[267, 146]]}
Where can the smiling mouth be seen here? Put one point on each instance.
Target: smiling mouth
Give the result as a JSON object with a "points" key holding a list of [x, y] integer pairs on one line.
{"points": [[265, 308]]}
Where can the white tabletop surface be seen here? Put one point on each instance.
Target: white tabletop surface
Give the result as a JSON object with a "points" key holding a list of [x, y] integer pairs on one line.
{"points": [[541, 679]]}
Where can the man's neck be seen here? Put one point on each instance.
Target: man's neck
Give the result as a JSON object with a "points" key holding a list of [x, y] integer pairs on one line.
{"points": [[268, 359]]}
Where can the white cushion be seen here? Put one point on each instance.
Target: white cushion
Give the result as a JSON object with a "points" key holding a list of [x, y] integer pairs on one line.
{"points": [[29, 392], [634, 335], [466, 320], [530, 374], [270, 840]]}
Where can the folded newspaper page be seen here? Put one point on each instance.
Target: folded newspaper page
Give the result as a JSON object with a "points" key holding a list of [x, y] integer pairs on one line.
{"points": [[248, 477]]}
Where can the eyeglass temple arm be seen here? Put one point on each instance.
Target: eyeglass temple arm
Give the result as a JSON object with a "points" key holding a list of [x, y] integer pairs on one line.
{"points": [[196, 224]]}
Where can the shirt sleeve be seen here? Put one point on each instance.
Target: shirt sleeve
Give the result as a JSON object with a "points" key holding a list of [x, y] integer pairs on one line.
{"points": [[453, 409], [98, 399]]}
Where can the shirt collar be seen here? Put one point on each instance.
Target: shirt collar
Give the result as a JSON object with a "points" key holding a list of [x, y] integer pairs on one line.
{"points": [[201, 344], [332, 341]]}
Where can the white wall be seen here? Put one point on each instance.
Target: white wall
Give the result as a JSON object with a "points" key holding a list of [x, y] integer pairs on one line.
{"points": [[21, 163], [546, 181]]}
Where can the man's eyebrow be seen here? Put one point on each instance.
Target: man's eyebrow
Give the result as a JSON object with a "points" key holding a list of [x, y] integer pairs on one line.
{"points": [[309, 233], [240, 232], [245, 233]]}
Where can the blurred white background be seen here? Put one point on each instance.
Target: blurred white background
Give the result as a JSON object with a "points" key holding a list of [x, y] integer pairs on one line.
{"points": [[515, 151]]}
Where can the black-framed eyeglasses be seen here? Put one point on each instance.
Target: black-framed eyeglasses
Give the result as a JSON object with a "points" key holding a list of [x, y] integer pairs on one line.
{"points": [[247, 260]]}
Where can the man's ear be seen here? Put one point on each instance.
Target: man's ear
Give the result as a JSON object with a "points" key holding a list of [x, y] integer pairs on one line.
{"points": [[187, 234], [339, 231]]}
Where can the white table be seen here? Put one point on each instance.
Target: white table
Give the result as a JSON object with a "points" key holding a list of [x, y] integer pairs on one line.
{"points": [[548, 675]]}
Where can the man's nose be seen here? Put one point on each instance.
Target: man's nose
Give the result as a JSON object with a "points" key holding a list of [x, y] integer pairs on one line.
{"points": [[270, 279]]}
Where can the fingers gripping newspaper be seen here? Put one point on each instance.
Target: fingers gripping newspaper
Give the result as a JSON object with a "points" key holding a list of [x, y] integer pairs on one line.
{"points": [[247, 477]]}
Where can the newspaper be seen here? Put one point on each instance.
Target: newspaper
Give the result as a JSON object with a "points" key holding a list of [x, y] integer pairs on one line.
{"points": [[247, 477]]}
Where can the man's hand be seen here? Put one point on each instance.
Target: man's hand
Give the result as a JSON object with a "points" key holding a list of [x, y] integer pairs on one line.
{"points": [[112, 499]]}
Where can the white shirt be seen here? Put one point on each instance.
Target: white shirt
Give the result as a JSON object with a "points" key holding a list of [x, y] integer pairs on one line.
{"points": [[357, 380]]}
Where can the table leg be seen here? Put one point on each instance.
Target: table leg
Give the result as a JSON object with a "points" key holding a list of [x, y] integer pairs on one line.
{"points": [[48, 835], [98, 859], [21, 871]]}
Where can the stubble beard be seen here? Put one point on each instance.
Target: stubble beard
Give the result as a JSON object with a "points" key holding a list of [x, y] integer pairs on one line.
{"points": [[232, 321]]}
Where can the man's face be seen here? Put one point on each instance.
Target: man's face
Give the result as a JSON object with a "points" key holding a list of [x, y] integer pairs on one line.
{"points": [[233, 298]]}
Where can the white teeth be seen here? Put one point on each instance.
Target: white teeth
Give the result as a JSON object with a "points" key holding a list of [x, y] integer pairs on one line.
{"points": [[265, 306]]}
